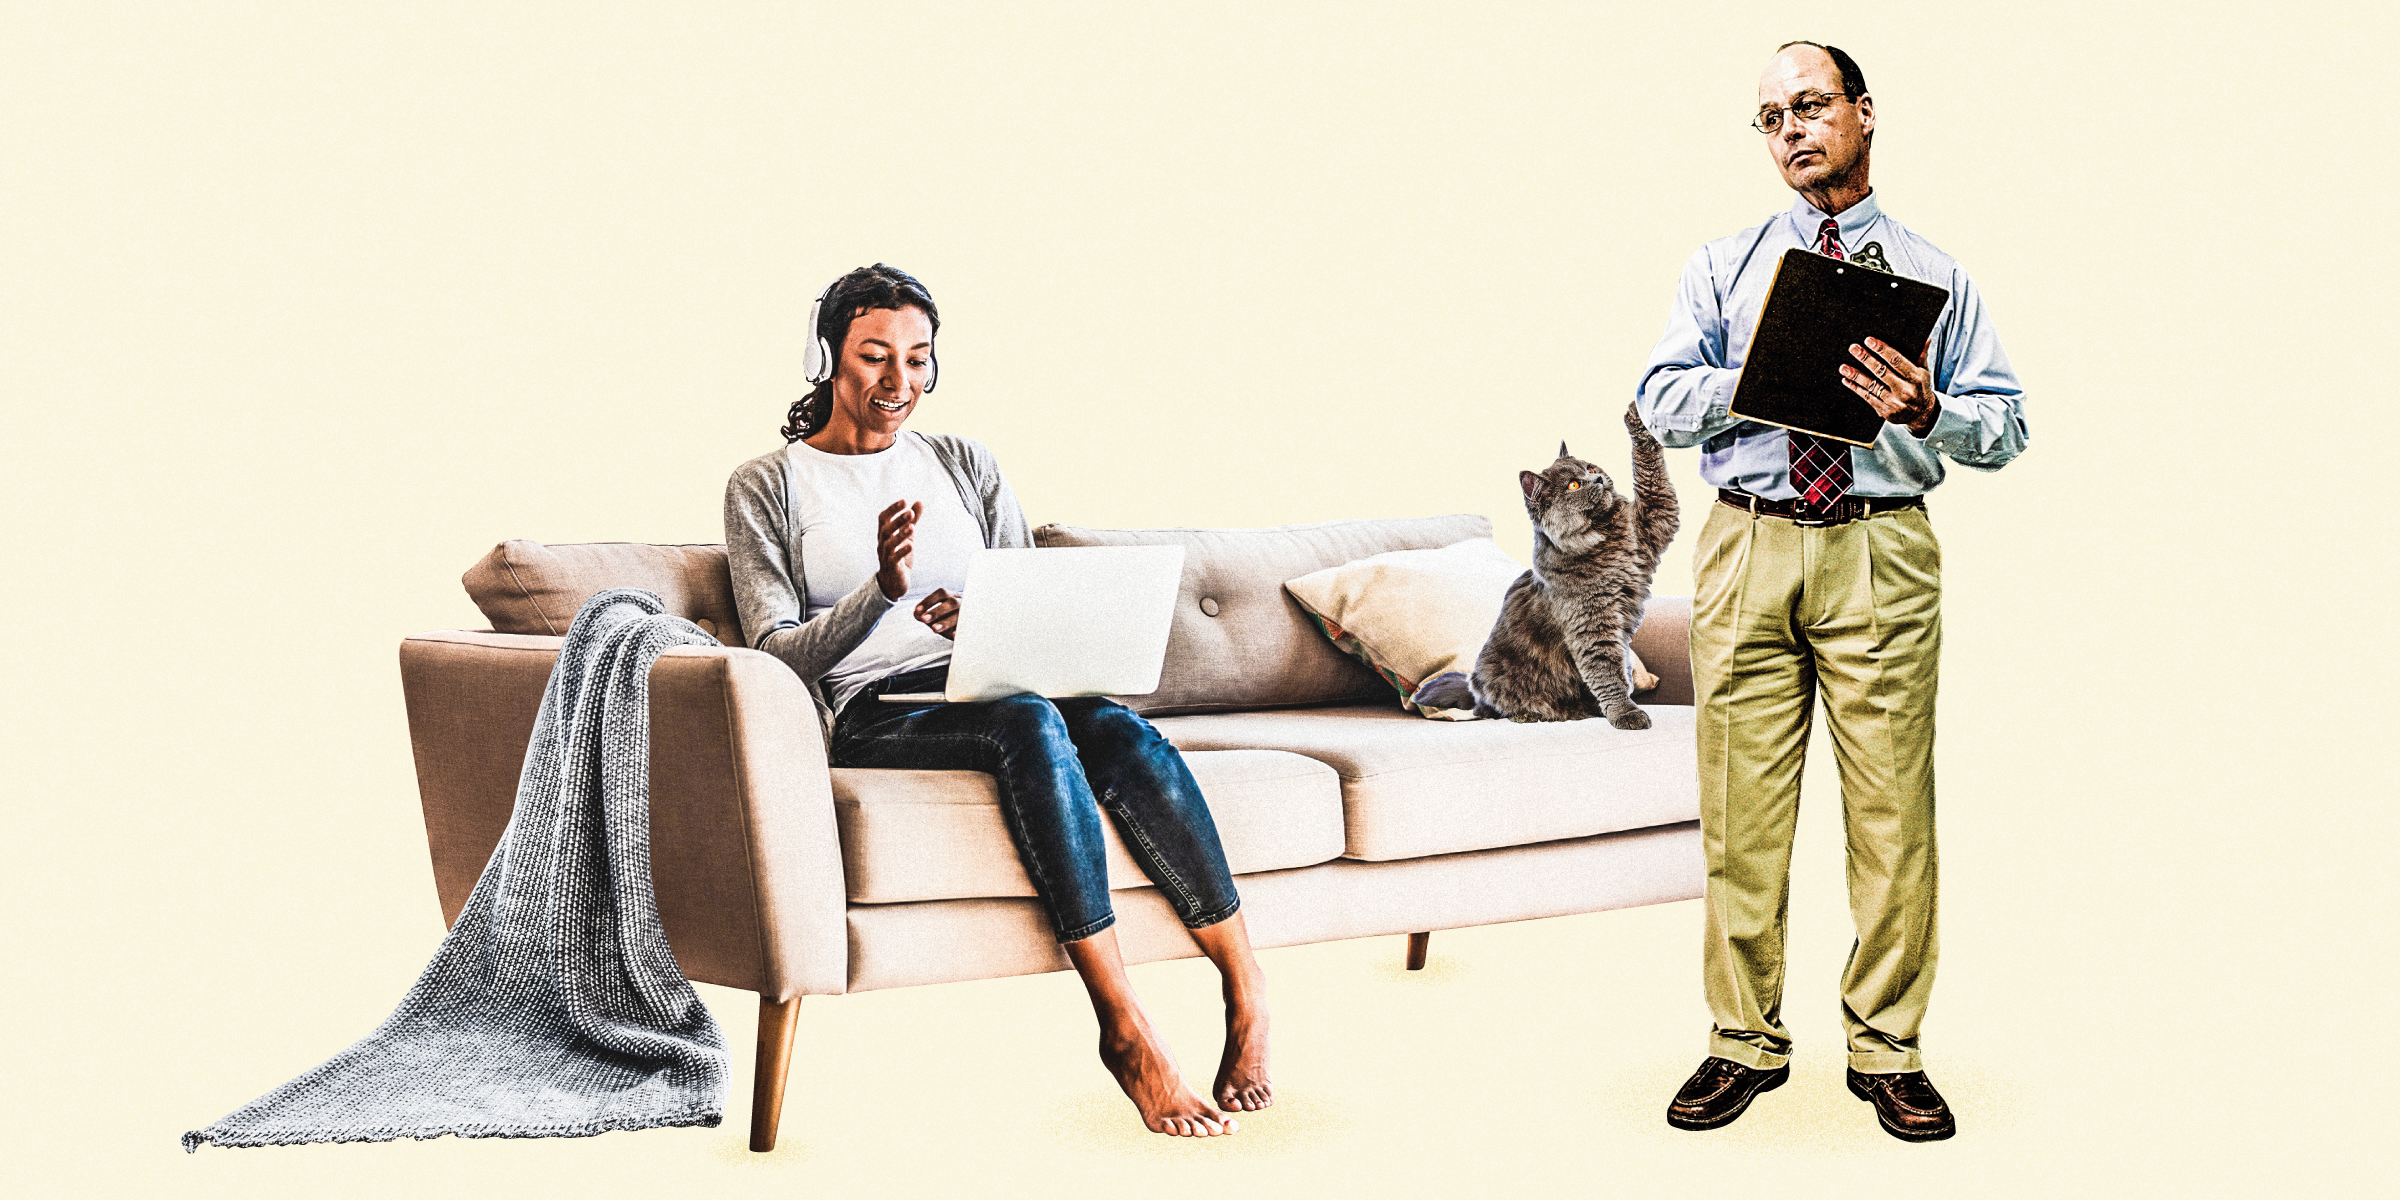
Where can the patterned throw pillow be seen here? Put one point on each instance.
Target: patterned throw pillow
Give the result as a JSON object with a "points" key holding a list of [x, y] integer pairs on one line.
{"points": [[1414, 614]]}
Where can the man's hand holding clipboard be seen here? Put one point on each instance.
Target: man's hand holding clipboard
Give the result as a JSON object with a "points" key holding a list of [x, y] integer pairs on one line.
{"points": [[1899, 391], [1822, 357]]}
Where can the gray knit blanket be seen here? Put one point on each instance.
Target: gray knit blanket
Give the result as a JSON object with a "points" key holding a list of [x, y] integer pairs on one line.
{"points": [[553, 1008]]}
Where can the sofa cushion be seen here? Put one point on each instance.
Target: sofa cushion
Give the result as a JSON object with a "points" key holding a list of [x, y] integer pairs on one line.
{"points": [[527, 587], [1239, 641], [939, 835], [1413, 787], [906, 945]]}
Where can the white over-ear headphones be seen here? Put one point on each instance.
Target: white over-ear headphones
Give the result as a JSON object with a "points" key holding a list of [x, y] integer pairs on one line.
{"points": [[816, 357]]}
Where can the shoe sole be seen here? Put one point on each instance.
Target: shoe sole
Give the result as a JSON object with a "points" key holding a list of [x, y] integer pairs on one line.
{"points": [[1934, 1135], [1771, 1084]]}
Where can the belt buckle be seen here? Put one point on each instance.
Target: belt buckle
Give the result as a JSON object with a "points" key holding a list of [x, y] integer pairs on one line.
{"points": [[1840, 512]]}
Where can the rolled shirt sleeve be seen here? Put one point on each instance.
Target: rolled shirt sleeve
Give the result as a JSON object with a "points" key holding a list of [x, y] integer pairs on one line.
{"points": [[1687, 390], [1982, 424]]}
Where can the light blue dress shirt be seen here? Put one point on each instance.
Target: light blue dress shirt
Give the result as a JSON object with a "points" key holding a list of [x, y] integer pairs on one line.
{"points": [[1686, 388]]}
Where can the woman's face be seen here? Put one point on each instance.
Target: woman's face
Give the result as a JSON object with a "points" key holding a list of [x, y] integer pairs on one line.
{"points": [[884, 364]]}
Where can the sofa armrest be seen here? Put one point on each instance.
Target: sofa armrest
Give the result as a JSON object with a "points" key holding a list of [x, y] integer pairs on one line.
{"points": [[745, 858], [1665, 643]]}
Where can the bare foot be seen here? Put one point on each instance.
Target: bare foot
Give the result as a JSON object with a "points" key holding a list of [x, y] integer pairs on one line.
{"points": [[1148, 1074], [1242, 1084]]}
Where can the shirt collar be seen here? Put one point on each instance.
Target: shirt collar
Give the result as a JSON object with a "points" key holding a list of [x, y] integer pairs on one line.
{"points": [[1851, 225]]}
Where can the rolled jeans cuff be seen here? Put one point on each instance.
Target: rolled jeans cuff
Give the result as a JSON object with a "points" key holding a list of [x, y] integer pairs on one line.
{"points": [[1205, 920], [1087, 929]]}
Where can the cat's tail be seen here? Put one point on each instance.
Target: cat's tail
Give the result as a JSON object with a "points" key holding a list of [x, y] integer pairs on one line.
{"points": [[1449, 689]]}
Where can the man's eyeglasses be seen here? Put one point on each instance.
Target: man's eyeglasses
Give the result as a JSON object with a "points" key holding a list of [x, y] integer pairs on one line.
{"points": [[1808, 107]]}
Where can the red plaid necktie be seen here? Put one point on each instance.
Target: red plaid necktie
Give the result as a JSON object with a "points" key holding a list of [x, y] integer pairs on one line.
{"points": [[1821, 466]]}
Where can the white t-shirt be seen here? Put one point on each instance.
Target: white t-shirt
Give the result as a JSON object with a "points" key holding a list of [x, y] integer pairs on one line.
{"points": [[835, 500]]}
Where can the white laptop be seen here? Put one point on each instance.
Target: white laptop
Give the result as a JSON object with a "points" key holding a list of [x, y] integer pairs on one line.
{"points": [[1063, 621]]}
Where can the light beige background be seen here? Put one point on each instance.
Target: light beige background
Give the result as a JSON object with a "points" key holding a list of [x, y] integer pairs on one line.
{"points": [[306, 305]]}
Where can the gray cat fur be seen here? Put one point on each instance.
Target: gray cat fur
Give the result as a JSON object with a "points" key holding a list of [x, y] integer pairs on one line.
{"points": [[1557, 652]]}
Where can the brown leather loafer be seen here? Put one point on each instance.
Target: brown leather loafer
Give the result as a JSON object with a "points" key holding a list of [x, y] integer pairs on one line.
{"points": [[1719, 1091], [1906, 1105]]}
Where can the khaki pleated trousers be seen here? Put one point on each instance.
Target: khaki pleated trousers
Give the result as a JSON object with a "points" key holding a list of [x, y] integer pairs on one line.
{"points": [[1784, 612]]}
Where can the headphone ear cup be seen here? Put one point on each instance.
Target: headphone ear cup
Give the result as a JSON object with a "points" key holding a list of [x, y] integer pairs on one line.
{"points": [[816, 358]]}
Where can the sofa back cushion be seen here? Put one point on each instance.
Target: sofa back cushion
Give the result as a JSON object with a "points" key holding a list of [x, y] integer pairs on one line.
{"points": [[527, 587], [1239, 641]]}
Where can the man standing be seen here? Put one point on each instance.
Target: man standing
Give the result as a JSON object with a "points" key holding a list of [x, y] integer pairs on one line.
{"points": [[1818, 570]]}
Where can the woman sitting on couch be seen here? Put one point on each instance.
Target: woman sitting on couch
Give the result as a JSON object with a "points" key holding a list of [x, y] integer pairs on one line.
{"points": [[814, 587]]}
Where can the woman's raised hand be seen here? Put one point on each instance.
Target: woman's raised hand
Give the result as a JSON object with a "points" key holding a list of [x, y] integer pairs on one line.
{"points": [[896, 547], [939, 611]]}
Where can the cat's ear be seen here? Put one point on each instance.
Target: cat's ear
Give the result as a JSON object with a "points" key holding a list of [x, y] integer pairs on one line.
{"points": [[1530, 482], [1562, 451]]}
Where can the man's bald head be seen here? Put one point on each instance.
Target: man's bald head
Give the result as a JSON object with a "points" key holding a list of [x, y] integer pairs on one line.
{"points": [[1854, 81]]}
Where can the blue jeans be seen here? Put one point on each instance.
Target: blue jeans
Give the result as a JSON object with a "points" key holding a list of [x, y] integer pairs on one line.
{"points": [[1058, 763]]}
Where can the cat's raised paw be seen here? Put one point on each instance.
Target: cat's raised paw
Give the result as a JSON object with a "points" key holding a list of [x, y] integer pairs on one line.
{"points": [[1632, 718]]}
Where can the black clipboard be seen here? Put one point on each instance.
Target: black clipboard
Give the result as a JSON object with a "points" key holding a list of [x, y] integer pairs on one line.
{"points": [[1817, 308]]}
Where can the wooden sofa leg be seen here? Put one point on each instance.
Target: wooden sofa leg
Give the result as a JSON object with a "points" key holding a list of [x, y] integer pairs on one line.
{"points": [[1416, 950], [776, 1021]]}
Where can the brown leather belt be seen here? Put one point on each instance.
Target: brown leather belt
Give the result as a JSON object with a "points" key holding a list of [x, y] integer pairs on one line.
{"points": [[1840, 512]]}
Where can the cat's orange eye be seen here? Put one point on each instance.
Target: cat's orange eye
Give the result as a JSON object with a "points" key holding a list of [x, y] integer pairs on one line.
{"points": [[1576, 485]]}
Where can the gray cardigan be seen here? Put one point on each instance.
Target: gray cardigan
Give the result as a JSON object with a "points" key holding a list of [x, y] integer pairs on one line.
{"points": [[762, 549]]}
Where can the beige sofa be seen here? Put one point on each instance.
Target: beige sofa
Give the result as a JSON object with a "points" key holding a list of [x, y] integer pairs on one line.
{"points": [[1342, 815]]}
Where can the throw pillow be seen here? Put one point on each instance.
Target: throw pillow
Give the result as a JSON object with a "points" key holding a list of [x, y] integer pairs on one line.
{"points": [[1414, 614], [527, 587]]}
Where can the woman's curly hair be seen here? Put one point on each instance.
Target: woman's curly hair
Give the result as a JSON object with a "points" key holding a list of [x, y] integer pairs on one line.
{"points": [[863, 290]]}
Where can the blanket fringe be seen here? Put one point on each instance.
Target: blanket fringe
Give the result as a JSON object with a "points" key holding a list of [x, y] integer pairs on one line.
{"points": [[197, 1138]]}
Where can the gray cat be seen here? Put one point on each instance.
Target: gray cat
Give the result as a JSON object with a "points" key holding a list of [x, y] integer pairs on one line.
{"points": [[1558, 651]]}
